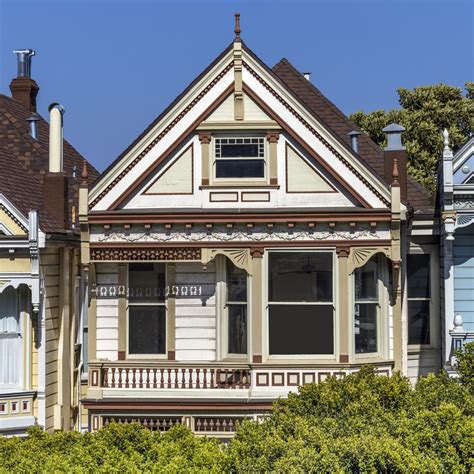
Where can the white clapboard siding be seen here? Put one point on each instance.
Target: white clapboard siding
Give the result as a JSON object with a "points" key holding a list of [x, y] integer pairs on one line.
{"points": [[196, 316], [107, 314]]}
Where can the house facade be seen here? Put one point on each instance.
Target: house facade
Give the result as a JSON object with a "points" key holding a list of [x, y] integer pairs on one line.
{"points": [[249, 241], [457, 207], [40, 275]]}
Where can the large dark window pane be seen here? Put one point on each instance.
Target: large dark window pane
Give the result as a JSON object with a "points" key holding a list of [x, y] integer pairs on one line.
{"points": [[240, 168], [246, 150], [236, 283], [366, 282], [147, 330], [299, 276], [365, 328], [301, 329], [419, 322], [237, 329], [146, 282], [418, 269]]}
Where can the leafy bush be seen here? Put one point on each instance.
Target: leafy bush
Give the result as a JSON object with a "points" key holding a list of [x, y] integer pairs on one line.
{"points": [[465, 365], [362, 423]]}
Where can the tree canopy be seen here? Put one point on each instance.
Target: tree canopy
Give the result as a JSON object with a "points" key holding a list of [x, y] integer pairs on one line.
{"points": [[425, 111], [361, 423]]}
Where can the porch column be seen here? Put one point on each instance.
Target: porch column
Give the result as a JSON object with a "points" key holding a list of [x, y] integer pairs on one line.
{"points": [[122, 311], [256, 306], [343, 303], [171, 311], [92, 316], [205, 139]]}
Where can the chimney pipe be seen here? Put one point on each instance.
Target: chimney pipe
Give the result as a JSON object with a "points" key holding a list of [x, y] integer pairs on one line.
{"points": [[55, 182], [307, 76], [33, 125], [56, 112], [24, 62], [355, 140], [395, 151], [23, 88]]}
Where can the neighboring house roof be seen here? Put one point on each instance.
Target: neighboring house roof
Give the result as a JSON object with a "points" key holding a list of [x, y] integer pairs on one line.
{"points": [[326, 112], [24, 161]]}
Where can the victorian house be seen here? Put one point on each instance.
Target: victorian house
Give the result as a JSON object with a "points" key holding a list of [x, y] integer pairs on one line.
{"points": [[249, 241], [40, 285], [457, 210]]}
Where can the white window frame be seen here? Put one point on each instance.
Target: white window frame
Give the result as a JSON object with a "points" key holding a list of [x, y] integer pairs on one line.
{"points": [[432, 251], [266, 313], [239, 181], [223, 313], [153, 304]]}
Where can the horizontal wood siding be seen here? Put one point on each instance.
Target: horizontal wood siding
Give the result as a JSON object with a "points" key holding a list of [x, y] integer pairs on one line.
{"points": [[107, 313], [464, 275], [196, 316], [50, 269]]}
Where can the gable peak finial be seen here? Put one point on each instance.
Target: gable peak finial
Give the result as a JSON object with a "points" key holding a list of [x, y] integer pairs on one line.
{"points": [[395, 173], [237, 27], [446, 138], [84, 174]]}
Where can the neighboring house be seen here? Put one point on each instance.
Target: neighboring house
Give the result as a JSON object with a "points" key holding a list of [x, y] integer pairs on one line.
{"points": [[39, 263], [249, 241], [457, 208]]}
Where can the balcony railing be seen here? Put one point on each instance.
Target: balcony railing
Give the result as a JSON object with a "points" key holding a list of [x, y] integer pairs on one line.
{"points": [[174, 378]]}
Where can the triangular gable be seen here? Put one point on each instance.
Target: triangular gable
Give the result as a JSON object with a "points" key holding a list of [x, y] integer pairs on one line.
{"points": [[225, 112], [463, 164], [265, 96], [302, 176], [177, 178], [12, 221]]}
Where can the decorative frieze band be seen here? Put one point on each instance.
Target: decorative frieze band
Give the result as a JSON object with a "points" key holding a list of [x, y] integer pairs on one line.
{"points": [[157, 254]]}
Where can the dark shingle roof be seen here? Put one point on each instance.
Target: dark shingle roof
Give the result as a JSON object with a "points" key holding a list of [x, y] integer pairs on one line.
{"points": [[24, 162], [327, 113]]}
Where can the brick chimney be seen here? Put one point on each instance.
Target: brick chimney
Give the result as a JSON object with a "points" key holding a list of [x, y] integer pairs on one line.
{"points": [[23, 88], [55, 182], [395, 150]]}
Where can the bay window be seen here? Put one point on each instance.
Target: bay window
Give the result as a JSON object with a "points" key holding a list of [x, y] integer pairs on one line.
{"points": [[366, 307], [236, 309], [419, 296], [300, 303], [146, 309]]}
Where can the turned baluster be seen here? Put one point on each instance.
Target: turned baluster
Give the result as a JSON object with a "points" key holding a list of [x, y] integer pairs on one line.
{"points": [[204, 377], [233, 378], [212, 378]]}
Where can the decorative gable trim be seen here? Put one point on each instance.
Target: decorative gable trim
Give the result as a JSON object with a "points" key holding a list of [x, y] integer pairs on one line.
{"points": [[308, 126], [162, 134], [14, 213]]}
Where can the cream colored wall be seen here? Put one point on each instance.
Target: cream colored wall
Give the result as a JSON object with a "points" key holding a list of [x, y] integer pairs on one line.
{"points": [[15, 265]]}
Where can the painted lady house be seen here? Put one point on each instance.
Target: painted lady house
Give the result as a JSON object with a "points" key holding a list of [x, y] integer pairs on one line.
{"points": [[39, 263], [249, 241], [457, 210]]}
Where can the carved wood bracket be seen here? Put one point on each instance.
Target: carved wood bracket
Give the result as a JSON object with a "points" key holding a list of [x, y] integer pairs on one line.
{"points": [[239, 257], [359, 256]]}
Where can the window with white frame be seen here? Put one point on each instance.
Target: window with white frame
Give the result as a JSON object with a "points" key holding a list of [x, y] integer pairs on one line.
{"points": [[300, 303], [146, 309], [239, 157], [11, 342], [419, 296], [366, 307], [236, 309]]}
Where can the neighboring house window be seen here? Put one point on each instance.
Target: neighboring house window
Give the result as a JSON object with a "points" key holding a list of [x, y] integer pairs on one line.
{"points": [[11, 348], [366, 307], [147, 310], [419, 294], [300, 303], [236, 309], [240, 157]]}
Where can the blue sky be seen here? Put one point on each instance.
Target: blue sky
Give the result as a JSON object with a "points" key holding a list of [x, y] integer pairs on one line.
{"points": [[115, 65]]}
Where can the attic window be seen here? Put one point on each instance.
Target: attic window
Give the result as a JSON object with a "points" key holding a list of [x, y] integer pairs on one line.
{"points": [[240, 157]]}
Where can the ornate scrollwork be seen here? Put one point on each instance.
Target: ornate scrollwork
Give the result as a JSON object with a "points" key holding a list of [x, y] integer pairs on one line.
{"points": [[463, 220], [239, 257], [359, 256]]}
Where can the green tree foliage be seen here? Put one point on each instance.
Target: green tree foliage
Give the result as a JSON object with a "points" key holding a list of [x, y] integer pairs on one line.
{"points": [[465, 365], [425, 112], [362, 423]]}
